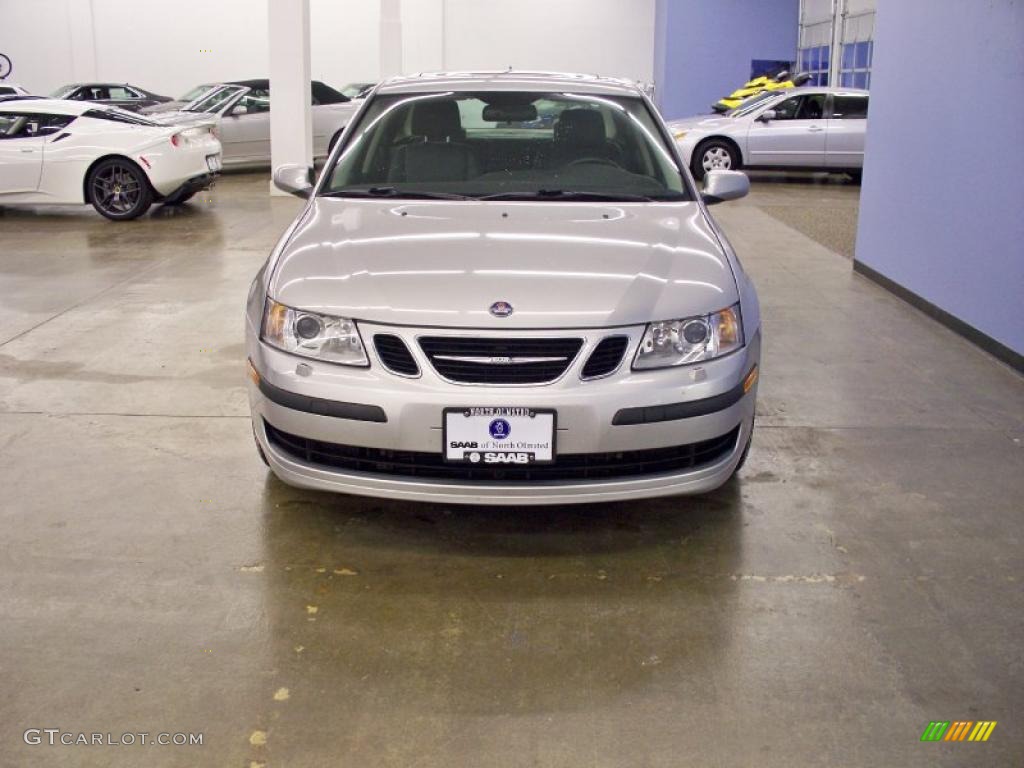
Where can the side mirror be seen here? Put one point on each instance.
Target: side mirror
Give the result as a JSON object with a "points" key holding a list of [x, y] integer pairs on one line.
{"points": [[720, 186], [240, 109], [766, 116], [294, 179]]}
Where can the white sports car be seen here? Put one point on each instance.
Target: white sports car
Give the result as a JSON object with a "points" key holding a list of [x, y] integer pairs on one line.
{"points": [[54, 151], [243, 111]]}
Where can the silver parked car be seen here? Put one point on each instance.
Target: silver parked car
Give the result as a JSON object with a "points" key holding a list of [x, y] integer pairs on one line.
{"points": [[797, 129], [479, 306], [243, 110]]}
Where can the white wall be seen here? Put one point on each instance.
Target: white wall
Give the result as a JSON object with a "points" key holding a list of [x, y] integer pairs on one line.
{"points": [[609, 37], [168, 46]]}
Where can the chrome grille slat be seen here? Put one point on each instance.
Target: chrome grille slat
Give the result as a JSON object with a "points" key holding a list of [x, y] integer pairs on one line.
{"points": [[499, 359]]}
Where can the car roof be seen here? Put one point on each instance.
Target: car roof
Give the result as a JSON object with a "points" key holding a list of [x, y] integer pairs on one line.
{"points": [[508, 80]]}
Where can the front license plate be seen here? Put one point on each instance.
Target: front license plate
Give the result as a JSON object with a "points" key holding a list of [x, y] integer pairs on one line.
{"points": [[213, 162], [497, 436]]}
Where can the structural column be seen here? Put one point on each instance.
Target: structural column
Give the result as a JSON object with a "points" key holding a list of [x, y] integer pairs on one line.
{"points": [[390, 38], [291, 117]]}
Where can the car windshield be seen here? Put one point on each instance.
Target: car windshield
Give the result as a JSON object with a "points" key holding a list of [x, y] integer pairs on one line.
{"points": [[214, 101], [195, 93], [750, 103], [507, 145], [352, 90], [62, 92]]}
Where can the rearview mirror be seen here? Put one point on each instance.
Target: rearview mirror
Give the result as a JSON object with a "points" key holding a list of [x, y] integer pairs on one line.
{"points": [[768, 114], [240, 109], [294, 179], [720, 186]]}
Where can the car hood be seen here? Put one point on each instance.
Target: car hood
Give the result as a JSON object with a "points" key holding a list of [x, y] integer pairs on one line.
{"points": [[700, 122], [558, 264]]}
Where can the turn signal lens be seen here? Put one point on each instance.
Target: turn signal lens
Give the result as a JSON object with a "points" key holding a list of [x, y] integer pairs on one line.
{"points": [[751, 380]]}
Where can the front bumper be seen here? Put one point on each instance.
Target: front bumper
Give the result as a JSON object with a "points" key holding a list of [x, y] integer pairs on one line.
{"points": [[651, 410]]}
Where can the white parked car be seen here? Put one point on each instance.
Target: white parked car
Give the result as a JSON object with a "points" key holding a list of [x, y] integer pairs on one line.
{"points": [[820, 129], [12, 89], [243, 109], [55, 151], [481, 306]]}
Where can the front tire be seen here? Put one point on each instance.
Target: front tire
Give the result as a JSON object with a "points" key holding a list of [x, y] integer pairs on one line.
{"points": [[119, 190], [714, 155]]}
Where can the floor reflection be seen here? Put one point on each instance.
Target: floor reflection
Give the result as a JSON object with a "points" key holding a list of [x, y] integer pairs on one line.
{"points": [[482, 611]]}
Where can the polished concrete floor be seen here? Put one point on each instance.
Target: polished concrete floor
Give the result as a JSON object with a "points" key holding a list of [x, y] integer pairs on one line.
{"points": [[863, 578]]}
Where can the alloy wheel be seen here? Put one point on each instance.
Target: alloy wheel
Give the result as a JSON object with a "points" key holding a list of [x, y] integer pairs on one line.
{"points": [[116, 189], [716, 159]]}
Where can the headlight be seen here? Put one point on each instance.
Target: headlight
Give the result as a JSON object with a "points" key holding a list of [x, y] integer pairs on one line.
{"points": [[690, 340], [334, 339], [679, 134]]}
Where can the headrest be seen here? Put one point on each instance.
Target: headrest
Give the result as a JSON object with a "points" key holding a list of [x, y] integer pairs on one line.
{"points": [[584, 126], [437, 120]]}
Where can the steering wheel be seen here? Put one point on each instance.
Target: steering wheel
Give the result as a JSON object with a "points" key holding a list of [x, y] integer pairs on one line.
{"points": [[593, 161]]}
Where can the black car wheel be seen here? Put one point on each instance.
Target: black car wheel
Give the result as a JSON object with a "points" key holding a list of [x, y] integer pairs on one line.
{"points": [[119, 190]]}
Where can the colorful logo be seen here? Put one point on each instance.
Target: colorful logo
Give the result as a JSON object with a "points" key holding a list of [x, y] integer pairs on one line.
{"points": [[501, 309], [958, 730], [499, 429]]}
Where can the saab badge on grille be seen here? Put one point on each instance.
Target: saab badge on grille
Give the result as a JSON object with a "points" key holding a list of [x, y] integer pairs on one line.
{"points": [[501, 309]]}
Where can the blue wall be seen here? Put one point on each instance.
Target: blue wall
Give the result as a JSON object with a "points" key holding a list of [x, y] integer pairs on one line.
{"points": [[703, 48], [942, 204]]}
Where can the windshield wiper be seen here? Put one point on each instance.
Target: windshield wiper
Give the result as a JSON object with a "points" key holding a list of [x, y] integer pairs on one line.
{"points": [[568, 194], [407, 194]]}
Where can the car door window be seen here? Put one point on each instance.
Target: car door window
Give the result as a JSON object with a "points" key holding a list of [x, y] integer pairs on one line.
{"points": [[849, 107], [807, 107], [9, 124], [255, 101], [91, 93], [121, 93], [47, 125], [26, 126]]}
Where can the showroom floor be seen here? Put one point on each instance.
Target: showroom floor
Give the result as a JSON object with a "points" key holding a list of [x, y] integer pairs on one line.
{"points": [[864, 577]]}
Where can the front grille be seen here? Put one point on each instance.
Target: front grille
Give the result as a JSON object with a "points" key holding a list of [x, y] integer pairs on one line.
{"points": [[606, 357], [524, 360], [394, 355], [572, 466]]}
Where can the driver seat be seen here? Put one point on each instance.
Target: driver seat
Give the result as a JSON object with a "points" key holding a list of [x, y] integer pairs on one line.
{"points": [[441, 154], [579, 133]]}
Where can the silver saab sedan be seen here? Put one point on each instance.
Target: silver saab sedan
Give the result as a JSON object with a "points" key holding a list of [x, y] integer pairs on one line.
{"points": [[504, 289], [817, 129]]}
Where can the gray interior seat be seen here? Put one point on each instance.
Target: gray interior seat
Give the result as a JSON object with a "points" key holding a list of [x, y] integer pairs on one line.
{"points": [[437, 151], [579, 133]]}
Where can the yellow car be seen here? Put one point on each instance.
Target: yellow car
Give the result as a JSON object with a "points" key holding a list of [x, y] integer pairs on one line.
{"points": [[780, 82]]}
